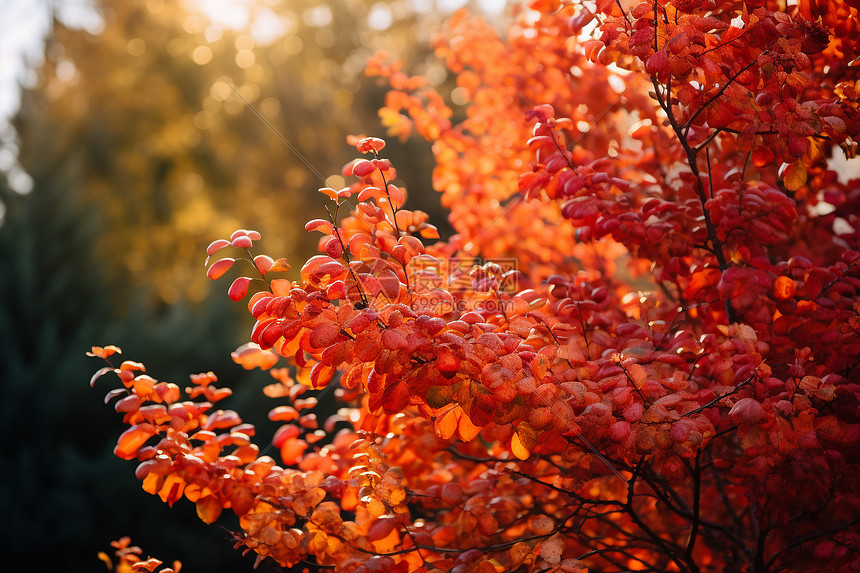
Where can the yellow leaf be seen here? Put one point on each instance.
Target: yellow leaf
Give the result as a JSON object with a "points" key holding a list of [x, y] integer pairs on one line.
{"points": [[794, 176], [518, 448]]}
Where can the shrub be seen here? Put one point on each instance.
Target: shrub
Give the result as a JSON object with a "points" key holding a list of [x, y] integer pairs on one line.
{"points": [[639, 351]]}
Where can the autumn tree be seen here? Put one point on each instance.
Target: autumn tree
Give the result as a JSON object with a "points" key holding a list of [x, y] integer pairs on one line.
{"points": [[668, 381]]}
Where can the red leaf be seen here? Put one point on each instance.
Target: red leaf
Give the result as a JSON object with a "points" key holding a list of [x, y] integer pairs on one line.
{"points": [[218, 268], [658, 63], [128, 404], [242, 242], [216, 246], [747, 411], [334, 248], [101, 372], [239, 289], [321, 269], [253, 235], [446, 361], [395, 398], [362, 167], [324, 335], [393, 340], [381, 528]]}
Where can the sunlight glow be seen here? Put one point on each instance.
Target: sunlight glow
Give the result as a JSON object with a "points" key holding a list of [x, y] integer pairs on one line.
{"points": [[235, 14]]}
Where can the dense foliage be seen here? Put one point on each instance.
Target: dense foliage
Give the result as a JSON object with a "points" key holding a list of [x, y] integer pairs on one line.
{"points": [[667, 381], [137, 158]]}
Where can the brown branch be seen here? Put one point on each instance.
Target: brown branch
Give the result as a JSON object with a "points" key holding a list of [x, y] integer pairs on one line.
{"points": [[840, 277], [673, 552], [718, 398], [717, 47], [811, 537], [697, 490], [715, 97]]}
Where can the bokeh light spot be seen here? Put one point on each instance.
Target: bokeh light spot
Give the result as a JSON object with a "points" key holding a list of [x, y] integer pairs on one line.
{"points": [[201, 55], [136, 47]]}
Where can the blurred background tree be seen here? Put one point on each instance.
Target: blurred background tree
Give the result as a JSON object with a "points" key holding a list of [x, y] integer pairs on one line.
{"points": [[138, 153]]}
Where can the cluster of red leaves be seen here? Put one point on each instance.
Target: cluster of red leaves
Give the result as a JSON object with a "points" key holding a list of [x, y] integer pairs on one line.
{"points": [[129, 559], [697, 409]]}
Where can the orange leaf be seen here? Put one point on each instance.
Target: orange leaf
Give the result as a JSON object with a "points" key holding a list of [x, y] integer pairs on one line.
{"points": [[132, 366], [104, 352], [320, 225], [446, 424], [172, 489], [132, 439], [148, 565], [250, 356], [283, 414], [292, 450], [467, 430], [370, 193], [104, 557], [784, 288], [208, 509], [429, 232], [263, 263], [518, 448], [328, 192], [279, 266], [524, 440]]}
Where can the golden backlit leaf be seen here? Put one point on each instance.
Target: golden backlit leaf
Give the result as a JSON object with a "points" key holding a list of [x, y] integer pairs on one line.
{"points": [[446, 423], [794, 176], [208, 509], [518, 448]]}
